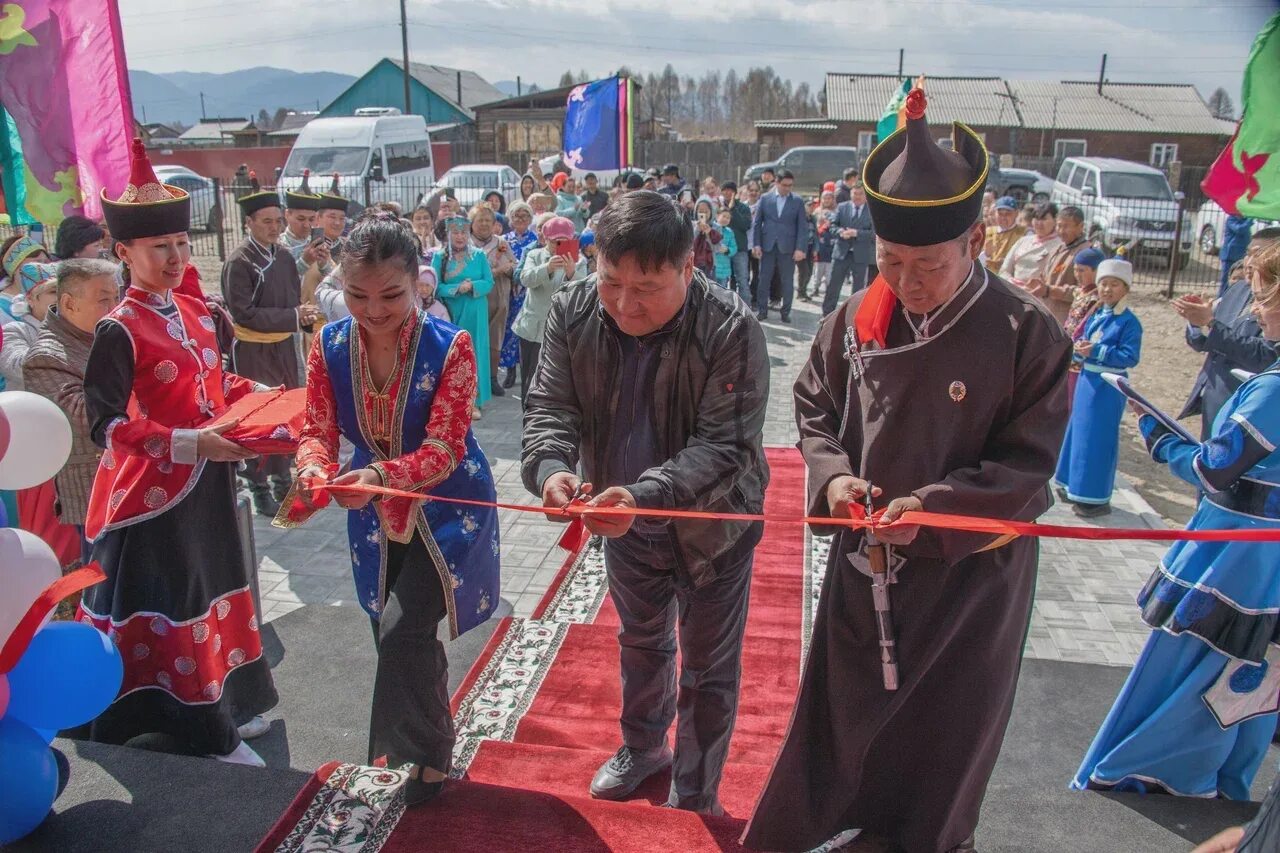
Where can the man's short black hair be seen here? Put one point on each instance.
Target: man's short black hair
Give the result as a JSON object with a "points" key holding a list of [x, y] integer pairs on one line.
{"points": [[768, 170], [851, 172], [1271, 233], [648, 227], [589, 176], [1073, 213], [1043, 209], [729, 185], [784, 175]]}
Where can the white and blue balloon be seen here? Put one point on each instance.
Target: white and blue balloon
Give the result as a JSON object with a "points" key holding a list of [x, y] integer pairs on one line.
{"points": [[65, 673]]}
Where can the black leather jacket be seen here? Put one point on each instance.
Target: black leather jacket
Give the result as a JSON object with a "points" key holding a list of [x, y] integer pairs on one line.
{"points": [[710, 394]]}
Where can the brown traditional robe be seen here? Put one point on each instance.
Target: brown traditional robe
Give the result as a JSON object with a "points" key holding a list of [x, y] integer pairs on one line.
{"points": [[999, 243], [970, 421], [262, 290]]}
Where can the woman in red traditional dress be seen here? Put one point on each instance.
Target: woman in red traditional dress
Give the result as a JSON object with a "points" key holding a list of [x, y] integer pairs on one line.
{"points": [[162, 513]]}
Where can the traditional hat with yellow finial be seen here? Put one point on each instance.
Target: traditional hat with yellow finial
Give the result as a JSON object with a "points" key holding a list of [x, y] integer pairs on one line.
{"points": [[147, 207], [302, 198], [333, 200], [257, 198]]}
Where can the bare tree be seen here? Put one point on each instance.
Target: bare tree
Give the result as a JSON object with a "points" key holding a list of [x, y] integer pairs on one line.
{"points": [[1221, 106]]}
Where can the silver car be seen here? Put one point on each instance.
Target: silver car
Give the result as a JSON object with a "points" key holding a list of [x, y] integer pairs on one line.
{"points": [[201, 190]]}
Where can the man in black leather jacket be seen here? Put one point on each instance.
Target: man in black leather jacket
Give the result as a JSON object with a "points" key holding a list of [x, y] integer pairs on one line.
{"points": [[655, 381]]}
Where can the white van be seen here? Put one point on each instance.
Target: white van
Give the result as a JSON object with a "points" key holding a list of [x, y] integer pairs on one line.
{"points": [[390, 150]]}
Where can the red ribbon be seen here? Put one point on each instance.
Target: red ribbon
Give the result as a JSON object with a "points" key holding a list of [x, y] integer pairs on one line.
{"points": [[70, 583], [944, 521]]}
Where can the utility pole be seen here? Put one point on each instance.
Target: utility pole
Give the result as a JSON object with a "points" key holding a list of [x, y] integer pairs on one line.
{"points": [[901, 55], [404, 44], [202, 112], [1102, 74], [518, 91]]}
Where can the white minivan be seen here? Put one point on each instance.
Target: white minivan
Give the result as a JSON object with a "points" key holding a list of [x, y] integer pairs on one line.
{"points": [[378, 146]]}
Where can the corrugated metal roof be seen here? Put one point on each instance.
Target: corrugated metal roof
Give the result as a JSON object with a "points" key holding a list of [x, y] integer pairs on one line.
{"points": [[796, 124], [444, 82], [1131, 107], [213, 129], [973, 100]]}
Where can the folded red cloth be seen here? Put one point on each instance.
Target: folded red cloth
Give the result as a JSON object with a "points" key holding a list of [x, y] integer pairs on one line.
{"points": [[270, 421]]}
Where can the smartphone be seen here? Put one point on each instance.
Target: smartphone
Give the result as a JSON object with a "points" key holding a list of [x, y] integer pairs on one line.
{"points": [[568, 249], [317, 234], [702, 217]]}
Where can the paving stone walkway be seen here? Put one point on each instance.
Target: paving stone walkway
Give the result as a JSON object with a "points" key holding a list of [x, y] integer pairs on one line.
{"points": [[1084, 609]]}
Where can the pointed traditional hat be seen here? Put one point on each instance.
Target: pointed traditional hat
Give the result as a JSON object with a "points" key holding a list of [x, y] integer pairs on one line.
{"points": [[333, 200], [302, 198], [146, 208], [257, 198]]}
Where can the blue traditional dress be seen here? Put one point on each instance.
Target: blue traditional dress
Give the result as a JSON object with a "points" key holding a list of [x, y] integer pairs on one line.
{"points": [[416, 432], [1198, 711], [469, 311], [1091, 447], [509, 357]]}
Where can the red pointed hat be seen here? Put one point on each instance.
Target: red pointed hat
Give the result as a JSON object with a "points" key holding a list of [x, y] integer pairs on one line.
{"points": [[147, 207]]}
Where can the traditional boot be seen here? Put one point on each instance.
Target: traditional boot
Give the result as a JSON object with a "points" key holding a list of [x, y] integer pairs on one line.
{"points": [[263, 502]]}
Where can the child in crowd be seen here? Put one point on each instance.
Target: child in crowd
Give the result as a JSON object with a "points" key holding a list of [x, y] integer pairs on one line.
{"points": [[727, 249], [706, 237], [1083, 304], [587, 246], [1111, 342], [426, 288]]}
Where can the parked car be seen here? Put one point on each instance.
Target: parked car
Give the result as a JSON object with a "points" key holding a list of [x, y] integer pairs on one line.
{"points": [[754, 172], [1023, 184], [1125, 204], [471, 183], [378, 146], [814, 165], [204, 197], [1210, 221]]}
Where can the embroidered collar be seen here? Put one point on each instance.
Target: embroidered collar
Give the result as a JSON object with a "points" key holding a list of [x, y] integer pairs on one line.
{"points": [[149, 297], [937, 319], [1117, 309]]}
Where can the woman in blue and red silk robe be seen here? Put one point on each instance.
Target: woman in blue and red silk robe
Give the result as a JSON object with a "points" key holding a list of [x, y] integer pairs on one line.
{"points": [[398, 384], [162, 513]]}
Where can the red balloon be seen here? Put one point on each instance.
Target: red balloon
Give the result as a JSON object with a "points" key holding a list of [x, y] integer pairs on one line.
{"points": [[4, 434], [4, 694]]}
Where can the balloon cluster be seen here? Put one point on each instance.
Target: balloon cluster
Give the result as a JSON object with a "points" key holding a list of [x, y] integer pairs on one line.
{"points": [[53, 675]]}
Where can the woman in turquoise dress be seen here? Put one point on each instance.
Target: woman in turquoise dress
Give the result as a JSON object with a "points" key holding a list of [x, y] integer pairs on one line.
{"points": [[465, 281], [1196, 715]]}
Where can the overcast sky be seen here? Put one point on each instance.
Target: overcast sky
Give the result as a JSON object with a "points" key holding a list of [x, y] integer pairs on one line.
{"points": [[1204, 42]]}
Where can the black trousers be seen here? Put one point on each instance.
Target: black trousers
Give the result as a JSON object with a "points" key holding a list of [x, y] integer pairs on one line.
{"points": [[262, 469], [840, 270], [410, 721], [529, 354]]}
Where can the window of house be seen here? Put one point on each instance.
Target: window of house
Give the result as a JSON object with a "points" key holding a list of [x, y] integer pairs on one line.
{"points": [[1070, 148], [407, 156], [866, 140], [1163, 153]]}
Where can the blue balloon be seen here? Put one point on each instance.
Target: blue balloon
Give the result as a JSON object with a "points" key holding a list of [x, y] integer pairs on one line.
{"points": [[28, 780], [69, 674], [4, 515]]}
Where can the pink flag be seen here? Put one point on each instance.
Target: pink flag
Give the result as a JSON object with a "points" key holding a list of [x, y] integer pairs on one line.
{"points": [[64, 81]]}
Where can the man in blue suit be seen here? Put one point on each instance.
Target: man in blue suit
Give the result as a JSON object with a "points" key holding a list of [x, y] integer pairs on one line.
{"points": [[780, 227], [855, 248]]}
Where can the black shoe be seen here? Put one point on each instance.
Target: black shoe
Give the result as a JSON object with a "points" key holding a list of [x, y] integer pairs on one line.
{"points": [[1091, 510], [280, 490], [510, 380], [1062, 494], [495, 387], [786, 316], [417, 792], [264, 503], [762, 315]]}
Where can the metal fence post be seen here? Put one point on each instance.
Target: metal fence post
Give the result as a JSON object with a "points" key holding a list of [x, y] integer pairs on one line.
{"points": [[1175, 252], [367, 203], [220, 230]]}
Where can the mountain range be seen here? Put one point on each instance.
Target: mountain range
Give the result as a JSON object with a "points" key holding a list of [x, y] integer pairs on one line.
{"points": [[175, 96]]}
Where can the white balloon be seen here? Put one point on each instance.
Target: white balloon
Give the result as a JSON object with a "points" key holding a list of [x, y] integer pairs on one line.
{"points": [[27, 566], [39, 440]]}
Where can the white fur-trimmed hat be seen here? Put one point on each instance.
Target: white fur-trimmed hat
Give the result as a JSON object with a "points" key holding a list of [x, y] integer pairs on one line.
{"points": [[1117, 268]]}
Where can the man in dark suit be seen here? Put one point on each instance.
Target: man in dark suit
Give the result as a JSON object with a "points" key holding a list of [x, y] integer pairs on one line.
{"points": [[780, 228], [845, 191], [1228, 334], [855, 248]]}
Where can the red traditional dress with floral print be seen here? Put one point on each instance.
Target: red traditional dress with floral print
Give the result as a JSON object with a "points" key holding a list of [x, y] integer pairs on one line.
{"points": [[430, 464], [178, 373]]}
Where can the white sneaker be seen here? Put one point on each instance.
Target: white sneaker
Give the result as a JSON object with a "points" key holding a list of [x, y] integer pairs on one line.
{"points": [[257, 727], [242, 754]]}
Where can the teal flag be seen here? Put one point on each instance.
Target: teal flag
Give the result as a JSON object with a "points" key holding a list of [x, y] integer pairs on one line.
{"points": [[891, 119], [11, 171]]}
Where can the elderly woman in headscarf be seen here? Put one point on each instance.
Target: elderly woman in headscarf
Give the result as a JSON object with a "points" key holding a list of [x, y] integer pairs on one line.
{"points": [[29, 310], [520, 238], [19, 258], [502, 264]]}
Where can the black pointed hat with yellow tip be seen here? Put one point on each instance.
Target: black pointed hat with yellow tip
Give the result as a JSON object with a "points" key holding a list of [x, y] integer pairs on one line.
{"points": [[333, 200], [302, 198], [146, 208], [257, 198], [919, 193]]}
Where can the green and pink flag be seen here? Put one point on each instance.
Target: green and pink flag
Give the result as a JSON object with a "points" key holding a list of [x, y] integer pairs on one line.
{"points": [[1245, 179], [65, 112]]}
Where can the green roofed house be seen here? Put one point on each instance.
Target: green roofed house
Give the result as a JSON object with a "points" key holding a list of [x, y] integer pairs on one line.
{"points": [[440, 95]]}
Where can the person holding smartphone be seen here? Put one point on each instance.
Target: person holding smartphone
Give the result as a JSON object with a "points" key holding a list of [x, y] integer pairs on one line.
{"points": [[544, 270]]}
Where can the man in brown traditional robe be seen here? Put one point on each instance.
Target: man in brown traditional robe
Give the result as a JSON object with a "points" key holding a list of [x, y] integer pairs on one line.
{"points": [[263, 294], [944, 387]]}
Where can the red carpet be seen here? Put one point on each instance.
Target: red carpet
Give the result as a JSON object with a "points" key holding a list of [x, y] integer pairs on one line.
{"points": [[538, 714]]}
